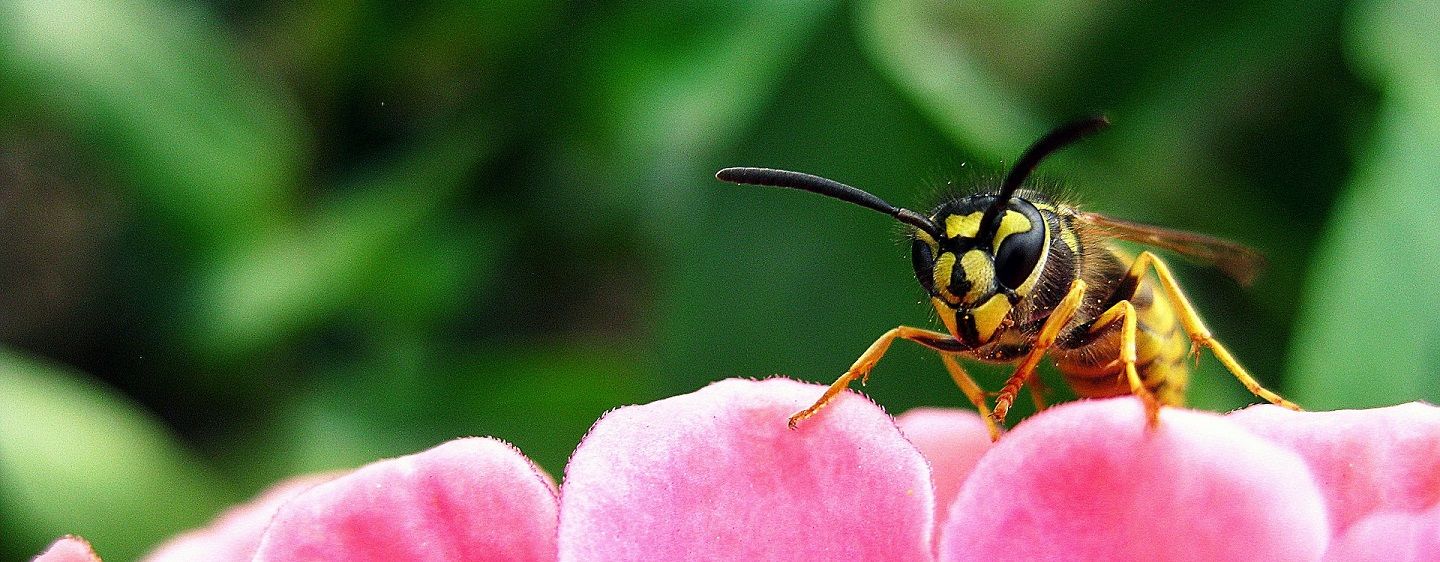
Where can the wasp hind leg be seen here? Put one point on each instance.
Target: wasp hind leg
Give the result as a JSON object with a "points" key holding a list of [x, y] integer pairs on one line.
{"points": [[861, 368], [1200, 335]]}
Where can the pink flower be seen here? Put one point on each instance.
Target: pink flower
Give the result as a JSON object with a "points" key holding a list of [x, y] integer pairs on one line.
{"points": [[468, 499], [68, 549], [716, 475]]}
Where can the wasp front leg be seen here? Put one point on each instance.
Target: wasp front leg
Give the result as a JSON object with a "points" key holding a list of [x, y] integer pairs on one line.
{"points": [[933, 340], [1048, 332]]}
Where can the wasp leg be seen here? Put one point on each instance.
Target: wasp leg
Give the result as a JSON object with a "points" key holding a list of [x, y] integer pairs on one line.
{"points": [[1037, 390], [972, 391], [867, 360], [1048, 332], [1200, 336], [1125, 312]]}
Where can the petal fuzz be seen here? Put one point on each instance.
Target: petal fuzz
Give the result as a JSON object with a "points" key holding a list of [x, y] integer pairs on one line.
{"points": [[717, 475], [68, 548], [952, 441], [1088, 481], [1382, 459], [468, 499], [234, 535], [1390, 536]]}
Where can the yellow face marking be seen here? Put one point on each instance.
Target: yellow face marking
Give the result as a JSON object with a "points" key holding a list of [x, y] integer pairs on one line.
{"points": [[947, 315], [988, 316], [925, 237], [979, 271], [944, 265], [1011, 223], [967, 226]]}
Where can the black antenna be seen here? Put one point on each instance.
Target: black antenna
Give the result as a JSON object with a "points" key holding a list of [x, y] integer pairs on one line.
{"points": [[828, 188], [1047, 145]]}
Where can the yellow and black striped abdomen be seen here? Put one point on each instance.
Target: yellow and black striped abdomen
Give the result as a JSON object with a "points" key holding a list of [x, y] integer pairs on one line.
{"points": [[1089, 358]]}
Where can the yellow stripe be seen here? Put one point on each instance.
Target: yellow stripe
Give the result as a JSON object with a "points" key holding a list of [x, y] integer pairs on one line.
{"points": [[947, 315], [1159, 317], [1012, 223], [944, 265], [1067, 235], [925, 237], [1147, 347], [980, 271], [989, 315], [967, 226], [1034, 277]]}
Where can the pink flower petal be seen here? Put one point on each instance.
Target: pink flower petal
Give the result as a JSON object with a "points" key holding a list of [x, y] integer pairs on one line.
{"points": [[1087, 481], [68, 548], [952, 441], [1385, 459], [716, 475], [1390, 536], [468, 499], [236, 533]]}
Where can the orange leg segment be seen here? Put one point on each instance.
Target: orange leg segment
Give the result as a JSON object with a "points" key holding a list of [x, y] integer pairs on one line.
{"points": [[861, 368], [1048, 332]]}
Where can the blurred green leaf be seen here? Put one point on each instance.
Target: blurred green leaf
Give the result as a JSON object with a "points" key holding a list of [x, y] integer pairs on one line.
{"points": [[672, 82], [208, 148], [375, 406], [946, 77], [541, 398], [296, 276], [76, 458], [1371, 323], [437, 272]]}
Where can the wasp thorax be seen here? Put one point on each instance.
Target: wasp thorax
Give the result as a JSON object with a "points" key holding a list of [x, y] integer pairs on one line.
{"points": [[976, 272]]}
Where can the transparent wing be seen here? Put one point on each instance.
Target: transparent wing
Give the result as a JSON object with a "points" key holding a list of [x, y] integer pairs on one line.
{"points": [[1239, 262]]}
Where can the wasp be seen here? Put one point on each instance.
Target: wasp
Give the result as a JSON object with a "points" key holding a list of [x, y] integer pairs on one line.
{"points": [[1015, 275]]}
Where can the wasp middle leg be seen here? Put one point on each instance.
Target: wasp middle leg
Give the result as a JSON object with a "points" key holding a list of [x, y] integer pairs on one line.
{"points": [[1124, 313], [972, 391]]}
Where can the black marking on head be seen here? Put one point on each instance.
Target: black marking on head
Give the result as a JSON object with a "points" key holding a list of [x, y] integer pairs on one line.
{"points": [[965, 323]]}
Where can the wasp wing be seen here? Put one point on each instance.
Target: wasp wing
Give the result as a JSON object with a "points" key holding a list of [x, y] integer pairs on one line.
{"points": [[1239, 262]]}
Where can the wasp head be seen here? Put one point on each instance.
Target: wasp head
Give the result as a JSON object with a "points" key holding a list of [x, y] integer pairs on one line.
{"points": [[977, 271]]}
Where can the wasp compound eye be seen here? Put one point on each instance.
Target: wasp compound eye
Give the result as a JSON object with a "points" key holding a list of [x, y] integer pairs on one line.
{"points": [[1020, 242], [923, 258]]}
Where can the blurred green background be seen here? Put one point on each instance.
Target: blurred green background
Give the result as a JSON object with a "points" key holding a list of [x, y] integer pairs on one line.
{"points": [[240, 241]]}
